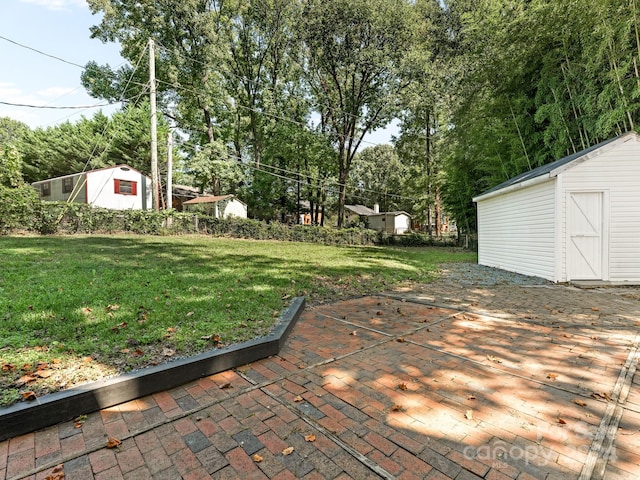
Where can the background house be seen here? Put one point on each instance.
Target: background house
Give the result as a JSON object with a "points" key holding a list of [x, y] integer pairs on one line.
{"points": [[221, 206], [577, 218], [119, 187], [389, 222]]}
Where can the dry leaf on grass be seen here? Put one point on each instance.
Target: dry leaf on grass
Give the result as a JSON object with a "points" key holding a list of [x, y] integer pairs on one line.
{"points": [[29, 396], [113, 442], [287, 451]]}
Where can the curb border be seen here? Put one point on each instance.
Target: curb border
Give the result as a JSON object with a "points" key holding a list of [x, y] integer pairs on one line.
{"points": [[57, 407]]}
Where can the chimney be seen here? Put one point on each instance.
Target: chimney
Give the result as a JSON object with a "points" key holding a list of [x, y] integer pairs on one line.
{"points": [[376, 208]]}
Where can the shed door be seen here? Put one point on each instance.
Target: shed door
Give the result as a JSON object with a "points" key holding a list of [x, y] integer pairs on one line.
{"points": [[585, 227]]}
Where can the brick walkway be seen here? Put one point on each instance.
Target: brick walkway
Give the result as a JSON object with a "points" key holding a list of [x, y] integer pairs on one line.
{"points": [[441, 382]]}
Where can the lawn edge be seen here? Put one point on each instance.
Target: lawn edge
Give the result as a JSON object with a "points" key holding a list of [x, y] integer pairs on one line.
{"points": [[25, 417]]}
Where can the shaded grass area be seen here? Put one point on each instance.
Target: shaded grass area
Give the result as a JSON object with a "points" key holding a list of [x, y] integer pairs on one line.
{"points": [[81, 308]]}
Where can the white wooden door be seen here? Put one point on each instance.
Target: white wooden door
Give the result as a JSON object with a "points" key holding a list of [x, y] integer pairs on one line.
{"points": [[585, 228]]}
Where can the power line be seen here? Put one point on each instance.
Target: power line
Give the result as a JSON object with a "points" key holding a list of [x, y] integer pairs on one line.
{"points": [[42, 53], [52, 107]]}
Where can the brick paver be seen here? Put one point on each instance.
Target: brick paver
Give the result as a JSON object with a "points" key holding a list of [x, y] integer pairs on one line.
{"points": [[442, 381]]}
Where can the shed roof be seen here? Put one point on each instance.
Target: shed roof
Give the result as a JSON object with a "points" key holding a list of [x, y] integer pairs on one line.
{"points": [[554, 168], [121, 166], [395, 214], [359, 209], [208, 199]]}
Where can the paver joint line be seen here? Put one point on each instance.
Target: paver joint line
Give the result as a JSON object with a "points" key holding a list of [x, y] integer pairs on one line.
{"points": [[602, 444]]}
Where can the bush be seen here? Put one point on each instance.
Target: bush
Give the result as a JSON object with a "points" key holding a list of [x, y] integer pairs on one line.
{"points": [[18, 207]]}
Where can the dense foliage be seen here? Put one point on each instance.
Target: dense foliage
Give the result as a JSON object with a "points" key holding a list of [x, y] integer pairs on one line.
{"points": [[272, 98]]}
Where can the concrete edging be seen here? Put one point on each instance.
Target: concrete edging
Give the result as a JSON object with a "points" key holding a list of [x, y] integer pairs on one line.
{"points": [[57, 407]]}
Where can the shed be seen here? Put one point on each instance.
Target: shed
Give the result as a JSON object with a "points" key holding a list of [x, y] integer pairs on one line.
{"points": [[118, 187], [577, 218], [219, 206]]}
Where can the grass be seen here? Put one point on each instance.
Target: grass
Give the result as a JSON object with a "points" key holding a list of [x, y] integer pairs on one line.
{"points": [[76, 309]]}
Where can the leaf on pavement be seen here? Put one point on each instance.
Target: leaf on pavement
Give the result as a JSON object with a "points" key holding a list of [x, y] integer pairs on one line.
{"points": [[562, 421], [552, 376], [396, 408], [224, 386], [577, 401], [402, 386], [257, 458], [113, 442], [310, 438], [468, 415], [298, 399], [493, 359], [288, 451]]}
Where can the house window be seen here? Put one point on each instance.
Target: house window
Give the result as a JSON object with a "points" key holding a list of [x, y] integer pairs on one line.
{"points": [[45, 189], [125, 187], [67, 185]]}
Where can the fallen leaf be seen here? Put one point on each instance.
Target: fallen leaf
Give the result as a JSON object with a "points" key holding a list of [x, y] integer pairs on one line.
{"points": [[400, 312], [595, 309], [491, 358], [7, 367], [471, 397], [43, 373], [396, 408], [400, 340], [354, 333], [275, 313], [111, 308], [298, 399], [23, 380], [310, 438], [288, 451], [86, 310], [379, 313], [257, 458], [402, 386], [137, 353], [577, 401], [168, 352], [29, 396], [562, 421], [113, 442], [224, 386], [189, 314], [468, 415], [172, 329], [56, 474], [604, 396], [552, 376]]}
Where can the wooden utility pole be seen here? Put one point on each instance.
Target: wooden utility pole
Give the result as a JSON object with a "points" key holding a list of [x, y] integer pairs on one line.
{"points": [[155, 190], [169, 170]]}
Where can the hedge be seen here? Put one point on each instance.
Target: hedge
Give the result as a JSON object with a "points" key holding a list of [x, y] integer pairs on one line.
{"points": [[23, 211]]}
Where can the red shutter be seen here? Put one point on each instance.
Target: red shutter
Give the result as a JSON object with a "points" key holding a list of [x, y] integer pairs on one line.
{"points": [[116, 186], [134, 188]]}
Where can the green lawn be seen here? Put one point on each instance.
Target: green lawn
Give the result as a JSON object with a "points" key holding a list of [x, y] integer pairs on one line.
{"points": [[79, 308]]}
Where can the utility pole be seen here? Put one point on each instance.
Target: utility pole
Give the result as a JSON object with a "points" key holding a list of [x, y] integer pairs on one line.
{"points": [[155, 190], [169, 170]]}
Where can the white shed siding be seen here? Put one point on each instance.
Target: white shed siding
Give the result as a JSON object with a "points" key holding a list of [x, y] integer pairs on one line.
{"points": [[518, 231], [235, 208], [100, 189], [616, 171]]}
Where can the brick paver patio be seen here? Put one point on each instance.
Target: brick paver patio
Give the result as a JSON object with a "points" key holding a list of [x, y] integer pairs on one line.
{"points": [[443, 381]]}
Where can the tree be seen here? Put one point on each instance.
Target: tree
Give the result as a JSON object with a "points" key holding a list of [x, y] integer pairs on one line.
{"points": [[354, 51], [379, 178]]}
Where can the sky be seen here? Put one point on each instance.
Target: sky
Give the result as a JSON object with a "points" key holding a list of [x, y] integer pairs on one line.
{"points": [[60, 28]]}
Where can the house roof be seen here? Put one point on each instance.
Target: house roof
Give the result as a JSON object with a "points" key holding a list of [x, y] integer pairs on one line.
{"points": [[208, 199], [395, 214], [359, 209], [111, 167], [554, 168]]}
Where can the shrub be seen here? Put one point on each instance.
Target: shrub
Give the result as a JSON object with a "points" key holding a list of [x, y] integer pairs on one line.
{"points": [[17, 208]]}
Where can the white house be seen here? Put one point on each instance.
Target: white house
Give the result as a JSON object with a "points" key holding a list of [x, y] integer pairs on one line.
{"points": [[119, 188], [220, 206], [389, 222], [577, 218]]}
